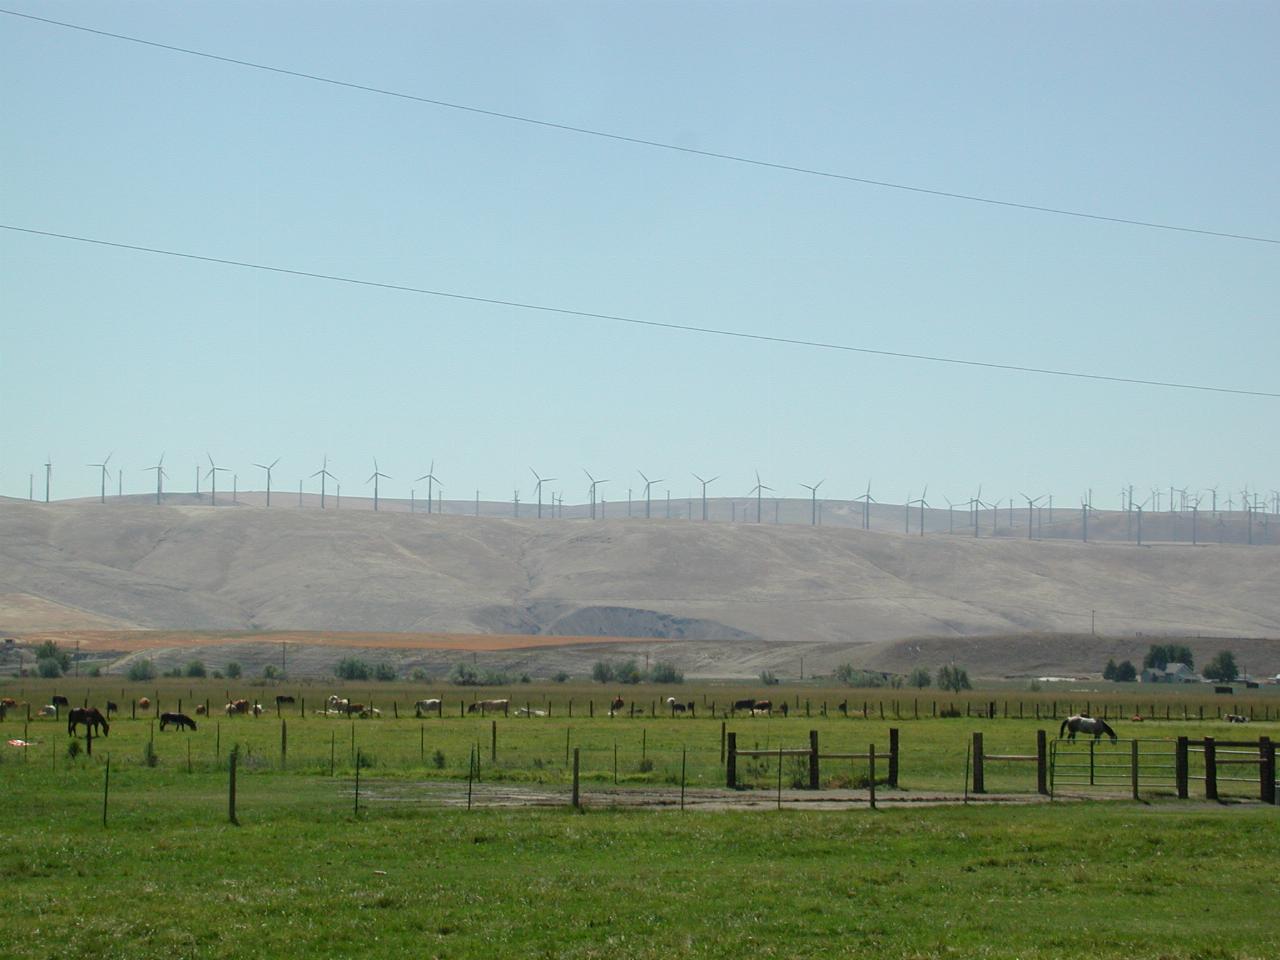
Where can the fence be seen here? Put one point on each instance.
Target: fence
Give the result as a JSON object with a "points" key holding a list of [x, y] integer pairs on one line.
{"points": [[980, 758], [1260, 753], [815, 758]]}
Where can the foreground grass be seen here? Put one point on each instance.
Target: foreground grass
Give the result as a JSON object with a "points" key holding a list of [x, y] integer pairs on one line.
{"points": [[170, 878]]}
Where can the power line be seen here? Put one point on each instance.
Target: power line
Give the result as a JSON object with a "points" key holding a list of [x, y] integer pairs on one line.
{"points": [[642, 141], [657, 324]]}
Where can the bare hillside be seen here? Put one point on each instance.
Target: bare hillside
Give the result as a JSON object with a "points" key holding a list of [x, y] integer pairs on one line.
{"points": [[114, 566]]}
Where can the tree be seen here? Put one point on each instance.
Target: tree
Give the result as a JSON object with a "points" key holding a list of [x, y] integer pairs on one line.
{"points": [[270, 672], [464, 675], [195, 669], [1162, 654], [602, 671], [384, 672], [628, 671], [920, 678], [353, 668], [664, 671], [49, 667], [1109, 671], [142, 669], [1126, 672], [1222, 667], [48, 650], [954, 679], [233, 670]]}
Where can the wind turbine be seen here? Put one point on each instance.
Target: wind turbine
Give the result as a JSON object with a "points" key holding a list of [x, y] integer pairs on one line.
{"points": [[323, 473], [1138, 508], [758, 490], [48, 475], [704, 492], [431, 478], [214, 470], [867, 499], [103, 467], [592, 493], [951, 515], [647, 484], [813, 491], [538, 489], [374, 477], [1031, 526], [160, 476], [923, 503], [268, 467]]}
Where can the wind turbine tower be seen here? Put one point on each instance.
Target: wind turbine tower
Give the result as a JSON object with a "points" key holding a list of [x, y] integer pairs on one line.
{"points": [[103, 467], [813, 491], [1031, 527], [374, 477], [648, 484], [324, 474], [592, 492], [431, 478], [48, 476], [214, 470], [538, 489], [268, 467], [704, 492], [758, 490], [160, 476]]}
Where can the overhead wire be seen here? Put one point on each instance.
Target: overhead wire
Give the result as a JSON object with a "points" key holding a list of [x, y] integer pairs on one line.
{"points": [[636, 321], [644, 141]]}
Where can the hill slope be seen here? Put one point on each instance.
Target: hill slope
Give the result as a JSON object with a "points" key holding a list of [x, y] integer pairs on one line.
{"points": [[173, 567]]}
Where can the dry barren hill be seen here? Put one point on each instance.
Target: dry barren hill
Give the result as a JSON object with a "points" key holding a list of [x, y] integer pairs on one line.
{"points": [[734, 592]]}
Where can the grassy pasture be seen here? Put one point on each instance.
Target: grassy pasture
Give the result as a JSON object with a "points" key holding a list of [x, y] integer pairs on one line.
{"points": [[302, 875]]}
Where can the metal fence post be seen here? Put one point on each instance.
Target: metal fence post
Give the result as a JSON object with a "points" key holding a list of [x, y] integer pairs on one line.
{"points": [[1210, 770], [731, 762], [979, 784]]}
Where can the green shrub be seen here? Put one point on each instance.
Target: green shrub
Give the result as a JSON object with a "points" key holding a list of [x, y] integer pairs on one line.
{"points": [[494, 678], [437, 759], [628, 671], [195, 669], [560, 676], [645, 765], [920, 678], [353, 668], [50, 650], [419, 675], [954, 679], [233, 670], [384, 672], [602, 671], [664, 671], [270, 672], [73, 749], [149, 756], [142, 669], [49, 667], [464, 675]]}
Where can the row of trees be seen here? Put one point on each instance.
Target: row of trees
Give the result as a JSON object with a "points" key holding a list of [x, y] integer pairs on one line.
{"points": [[628, 671], [948, 678], [1161, 655]]}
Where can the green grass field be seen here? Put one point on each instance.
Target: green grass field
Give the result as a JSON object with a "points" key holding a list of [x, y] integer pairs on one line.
{"points": [[169, 876]]}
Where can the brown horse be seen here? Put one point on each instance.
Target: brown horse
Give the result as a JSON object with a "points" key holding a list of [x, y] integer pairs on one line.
{"points": [[91, 717]]}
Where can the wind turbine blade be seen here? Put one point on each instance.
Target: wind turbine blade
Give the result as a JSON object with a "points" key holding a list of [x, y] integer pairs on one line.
{"points": [[210, 456], [273, 463]]}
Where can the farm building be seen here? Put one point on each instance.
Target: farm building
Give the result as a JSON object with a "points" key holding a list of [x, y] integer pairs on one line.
{"points": [[1173, 673]]}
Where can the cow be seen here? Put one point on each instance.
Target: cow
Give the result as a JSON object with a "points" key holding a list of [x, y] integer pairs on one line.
{"points": [[762, 706], [59, 700], [181, 720], [144, 703], [1236, 718], [676, 706], [370, 713], [615, 705], [748, 704], [428, 706], [236, 706], [257, 709], [336, 704], [8, 703], [112, 708], [843, 707], [484, 706], [353, 708], [91, 717], [282, 699], [201, 709]]}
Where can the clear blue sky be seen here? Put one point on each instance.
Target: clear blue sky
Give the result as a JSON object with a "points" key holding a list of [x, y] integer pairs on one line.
{"points": [[1151, 111]]}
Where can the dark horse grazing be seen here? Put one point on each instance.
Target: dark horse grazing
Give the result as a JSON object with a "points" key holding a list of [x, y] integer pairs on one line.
{"points": [[1081, 724], [181, 720], [91, 717]]}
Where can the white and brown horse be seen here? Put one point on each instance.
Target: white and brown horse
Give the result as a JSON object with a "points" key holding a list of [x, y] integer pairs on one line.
{"points": [[1082, 724]]}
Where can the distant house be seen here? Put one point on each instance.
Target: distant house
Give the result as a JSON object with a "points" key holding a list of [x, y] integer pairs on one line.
{"points": [[1173, 673]]}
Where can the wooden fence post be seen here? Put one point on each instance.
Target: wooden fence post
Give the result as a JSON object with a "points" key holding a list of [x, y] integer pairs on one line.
{"points": [[576, 799], [813, 759], [493, 741], [1180, 767], [722, 726], [357, 806], [284, 742], [871, 778], [979, 784], [231, 786], [731, 762], [1133, 766], [1042, 763], [1266, 770], [1210, 770], [893, 757], [106, 789]]}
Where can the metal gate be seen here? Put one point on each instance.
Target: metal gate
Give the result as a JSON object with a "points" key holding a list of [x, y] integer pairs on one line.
{"points": [[1112, 766]]}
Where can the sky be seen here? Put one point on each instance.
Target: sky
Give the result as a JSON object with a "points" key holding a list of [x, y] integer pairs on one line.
{"points": [[1144, 111]]}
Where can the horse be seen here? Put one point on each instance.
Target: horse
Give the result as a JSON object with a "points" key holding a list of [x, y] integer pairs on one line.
{"points": [[91, 717], [236, 706], [257, 709], [762, 706], [484, 706], [282, 699], [48, 710], [843, 707], [675, 706], [784, 709], [144, 703], [616, 704], [744, 704], [181, 720], [428, 706], [1076, 724], [112, 708], [59, 700], [201, 709]]}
